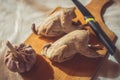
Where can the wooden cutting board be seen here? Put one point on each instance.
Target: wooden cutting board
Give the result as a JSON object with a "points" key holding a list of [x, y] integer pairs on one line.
{"points": [[78, 68]]}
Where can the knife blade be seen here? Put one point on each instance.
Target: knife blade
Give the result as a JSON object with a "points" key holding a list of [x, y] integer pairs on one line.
{"points": [[96, 28]]}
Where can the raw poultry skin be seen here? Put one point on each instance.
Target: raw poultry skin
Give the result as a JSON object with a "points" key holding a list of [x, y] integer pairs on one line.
{"points": [[58, 23], [67, 46]]}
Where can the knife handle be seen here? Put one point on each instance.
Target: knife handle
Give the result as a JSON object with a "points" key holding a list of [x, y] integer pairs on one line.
{"points": [[101, 35]]}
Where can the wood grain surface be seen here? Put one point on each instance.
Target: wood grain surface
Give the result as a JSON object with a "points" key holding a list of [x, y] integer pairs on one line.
{"points": [[78, 68]]}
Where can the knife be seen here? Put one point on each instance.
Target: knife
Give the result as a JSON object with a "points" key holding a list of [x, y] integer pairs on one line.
{"points": [[96, 28]]}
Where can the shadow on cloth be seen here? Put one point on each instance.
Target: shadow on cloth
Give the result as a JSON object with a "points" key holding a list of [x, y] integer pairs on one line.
{"points": [[110, 70]]}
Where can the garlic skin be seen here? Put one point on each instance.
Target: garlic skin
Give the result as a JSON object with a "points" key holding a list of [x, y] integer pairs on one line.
{"points": [[23, 61]]}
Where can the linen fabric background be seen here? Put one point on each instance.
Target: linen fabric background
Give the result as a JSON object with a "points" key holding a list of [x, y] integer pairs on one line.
{"points": [[17, 16]]}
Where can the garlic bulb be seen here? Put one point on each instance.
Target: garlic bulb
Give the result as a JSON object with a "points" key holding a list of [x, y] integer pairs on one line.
{"points": [[19, 58]]}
